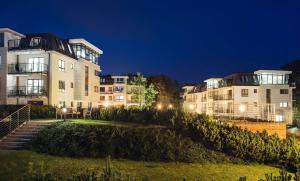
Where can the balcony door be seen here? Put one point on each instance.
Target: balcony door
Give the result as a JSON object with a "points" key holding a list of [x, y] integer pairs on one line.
{"points": [[35, 86], [36, 64]]}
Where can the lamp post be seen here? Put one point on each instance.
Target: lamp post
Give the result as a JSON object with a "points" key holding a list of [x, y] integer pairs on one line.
{"points": [[242, 110], [64, 110]]}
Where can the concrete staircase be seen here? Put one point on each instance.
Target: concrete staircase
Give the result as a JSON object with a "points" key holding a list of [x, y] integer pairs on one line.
{"points": [[18, 139]]}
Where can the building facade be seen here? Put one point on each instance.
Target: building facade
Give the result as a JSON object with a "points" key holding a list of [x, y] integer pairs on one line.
{"points": [[262, 95], [43, 69], [116, 91]]}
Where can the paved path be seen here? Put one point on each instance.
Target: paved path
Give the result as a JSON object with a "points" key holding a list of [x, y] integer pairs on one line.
{"points": [[18, 139]]}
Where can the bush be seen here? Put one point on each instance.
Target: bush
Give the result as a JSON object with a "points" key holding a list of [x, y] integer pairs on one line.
{"points": [[42, 112], [257, 147], [150, 144]]}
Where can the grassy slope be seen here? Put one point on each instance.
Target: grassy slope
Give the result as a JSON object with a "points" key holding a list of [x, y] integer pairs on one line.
{"points": [[15, 164]]}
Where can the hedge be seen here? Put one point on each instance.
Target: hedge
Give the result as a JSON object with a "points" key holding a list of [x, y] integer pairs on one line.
{"points": [[149, 144]]}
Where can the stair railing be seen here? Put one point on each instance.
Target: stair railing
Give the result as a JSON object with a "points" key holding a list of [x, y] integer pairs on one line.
{"points": [[10, 123]]}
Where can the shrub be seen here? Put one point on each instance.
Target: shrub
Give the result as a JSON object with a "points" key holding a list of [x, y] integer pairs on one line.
{"points": [[150, 144], [42, 112]]}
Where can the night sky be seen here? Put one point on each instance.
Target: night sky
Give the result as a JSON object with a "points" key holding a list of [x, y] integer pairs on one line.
{"points": [[187, 40]]}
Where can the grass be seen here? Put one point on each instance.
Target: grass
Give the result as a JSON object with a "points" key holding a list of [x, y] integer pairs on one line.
{"points": [[15, 165], [113, 123]]}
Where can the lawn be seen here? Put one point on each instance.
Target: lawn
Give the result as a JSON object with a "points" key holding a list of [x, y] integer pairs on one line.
{"points": [[16, 163], [113, 123]]}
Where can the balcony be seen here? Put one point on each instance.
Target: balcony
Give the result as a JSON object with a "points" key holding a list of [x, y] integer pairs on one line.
{"points": [[27, 68], [16, 91], [222, 97], [26, 45]]}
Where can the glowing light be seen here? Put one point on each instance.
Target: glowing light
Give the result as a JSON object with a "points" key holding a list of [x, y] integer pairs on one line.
{"points": [[159, 106], [64, 110], [106, 104], [170, 106], [242, 108], [191, 107]]}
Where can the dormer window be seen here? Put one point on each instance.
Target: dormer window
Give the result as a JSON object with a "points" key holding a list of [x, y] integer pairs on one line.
{"points": [[35, 41]]}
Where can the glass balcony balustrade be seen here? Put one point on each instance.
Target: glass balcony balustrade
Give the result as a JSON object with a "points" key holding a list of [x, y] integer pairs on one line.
{"points": [[23, 68], [26, 91]]}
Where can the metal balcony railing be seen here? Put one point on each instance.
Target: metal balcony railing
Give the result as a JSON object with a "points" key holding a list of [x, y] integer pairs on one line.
{"points": [[26, 91], [222, 97], [24, 68], [10, 123]]}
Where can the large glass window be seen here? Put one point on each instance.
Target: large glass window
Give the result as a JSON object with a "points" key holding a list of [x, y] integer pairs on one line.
{"points": [[35, 86], [119, 89], [244, 92], [119, 98], [1, 39], [36, 64], [84, 52], [62, 86]]}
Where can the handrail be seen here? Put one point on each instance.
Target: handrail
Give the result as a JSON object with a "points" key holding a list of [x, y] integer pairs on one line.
{"points": [[13, 121]]}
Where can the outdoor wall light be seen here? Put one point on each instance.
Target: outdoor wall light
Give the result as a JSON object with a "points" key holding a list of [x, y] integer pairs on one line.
{"points": [[106, 104], [64, 110], [170, 106], [191, 107]]}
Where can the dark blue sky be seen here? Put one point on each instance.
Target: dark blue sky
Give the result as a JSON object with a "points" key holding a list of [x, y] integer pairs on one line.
{"points": [[187, 40]]}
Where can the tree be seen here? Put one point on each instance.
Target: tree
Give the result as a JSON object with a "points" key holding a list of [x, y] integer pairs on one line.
{"points": [[168, 90], [143, 94], [150, 96]]}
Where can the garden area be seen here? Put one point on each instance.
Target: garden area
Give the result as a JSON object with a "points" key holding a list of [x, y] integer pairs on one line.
{"points": [[151, 145]]}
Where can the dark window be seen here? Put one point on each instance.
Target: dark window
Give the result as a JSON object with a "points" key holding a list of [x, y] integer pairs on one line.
{"points": [[284, 91], [72, 104], [72, 85], [86, 81], [102, 98], [255, 90], [244, 92], [62, 86], [102, 89], [1, 39], [268, 96]]}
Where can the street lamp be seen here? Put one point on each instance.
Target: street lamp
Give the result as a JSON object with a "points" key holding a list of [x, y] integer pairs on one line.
{"points": [[64, 110], [242, 109], [159, 106]]}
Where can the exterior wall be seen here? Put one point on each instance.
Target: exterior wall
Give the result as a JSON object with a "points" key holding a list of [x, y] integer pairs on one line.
{"points": [[270, 127]]}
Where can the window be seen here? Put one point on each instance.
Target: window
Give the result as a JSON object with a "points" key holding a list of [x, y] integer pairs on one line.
{"points": [[119, 89], [72, 105], [35, 86], [244, 92], [0, 60], [72, 85], [36, 64], [110, 98], [97, 73], [254, 91], [102, 80], [86, 80], [69, 47], [61, 65], [79, 104], [102, 98], [62, 86], [119, 80], [62, 104], [255, 104], [35, 41], [284, 91], [96, 88], [102, 89], [119, 98], [1, 39], [283, 104], [72, 66], [110, 89], [278, 118]]}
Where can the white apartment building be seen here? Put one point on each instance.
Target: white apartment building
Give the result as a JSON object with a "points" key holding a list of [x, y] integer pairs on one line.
{"points": [[116, 91], [43, 69], [262, 95]]}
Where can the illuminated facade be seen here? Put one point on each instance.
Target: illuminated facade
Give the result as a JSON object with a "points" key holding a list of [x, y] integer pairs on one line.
{"points": [[262, 95], [116, 91], [43, 69]]}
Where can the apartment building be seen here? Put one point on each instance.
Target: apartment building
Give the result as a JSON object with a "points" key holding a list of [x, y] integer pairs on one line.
{"points": [[44, 69], [262, 95], [116, 91]]}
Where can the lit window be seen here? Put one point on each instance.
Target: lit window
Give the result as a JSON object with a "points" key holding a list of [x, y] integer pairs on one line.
{"points": [[61, 65], [102, 98], [72, 66], [119, 98], [119, 89], [278, 118], [283, 104]]}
